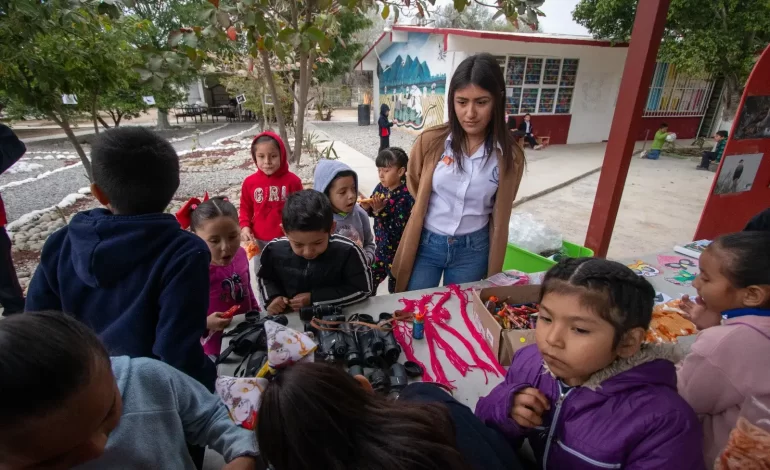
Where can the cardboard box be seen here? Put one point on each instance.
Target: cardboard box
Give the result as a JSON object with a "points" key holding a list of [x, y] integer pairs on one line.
{"points": [[504, 343]]}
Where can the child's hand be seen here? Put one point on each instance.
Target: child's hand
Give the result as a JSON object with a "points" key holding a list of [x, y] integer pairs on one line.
{"points": [[247, 235], [215, 322], [300, 300], [696, 311], [378, 203], [365, 205], [528, 407], [277, 306]]}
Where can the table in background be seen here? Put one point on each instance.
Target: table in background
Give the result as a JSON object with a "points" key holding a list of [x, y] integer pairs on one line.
{"points": [[469, 388]]}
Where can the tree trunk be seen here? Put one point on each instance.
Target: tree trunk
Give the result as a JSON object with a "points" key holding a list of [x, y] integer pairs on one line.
{"points": [[120, 118], [95, 114], [65, 125], [305, 64], [731, 98], [104, 124], [276, 101], [163, 120]]}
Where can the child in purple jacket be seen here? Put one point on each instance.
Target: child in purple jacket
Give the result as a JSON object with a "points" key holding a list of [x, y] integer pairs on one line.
{"points": [[590, 395]]}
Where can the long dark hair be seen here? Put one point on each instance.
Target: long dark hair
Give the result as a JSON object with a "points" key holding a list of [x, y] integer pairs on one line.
{"points": [[483, 71], [315, 415], [609, 288]]}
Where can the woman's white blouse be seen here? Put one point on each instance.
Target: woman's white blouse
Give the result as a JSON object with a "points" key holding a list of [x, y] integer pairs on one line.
{"points": [[462, 200]]}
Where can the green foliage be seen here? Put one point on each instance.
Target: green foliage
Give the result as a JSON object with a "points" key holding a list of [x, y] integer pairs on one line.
{"points": [[345, 49], [719, 37], [476, 17]]}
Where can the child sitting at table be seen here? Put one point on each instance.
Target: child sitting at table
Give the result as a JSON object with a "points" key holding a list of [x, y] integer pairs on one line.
{"points": [[589, 394], [725, 365], [340, 184], [390, 205], [316, 416], [129, 271], [264, 193], [216, 222], [64, 403], [312, 265]]}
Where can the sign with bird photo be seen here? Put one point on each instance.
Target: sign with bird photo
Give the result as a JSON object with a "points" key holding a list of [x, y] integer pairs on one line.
{"points": [[240, 99]]}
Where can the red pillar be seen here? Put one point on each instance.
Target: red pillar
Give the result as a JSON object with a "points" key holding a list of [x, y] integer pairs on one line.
{"points": [[634, 88]]}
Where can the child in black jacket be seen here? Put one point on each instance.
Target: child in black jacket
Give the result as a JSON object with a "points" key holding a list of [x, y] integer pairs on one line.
{"points": [[311, 265], [384, 126]]}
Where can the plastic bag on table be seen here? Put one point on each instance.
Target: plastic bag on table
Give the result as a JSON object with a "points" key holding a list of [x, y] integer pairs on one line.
{"points": [[532, 235], [515, 278], [748, 446]]}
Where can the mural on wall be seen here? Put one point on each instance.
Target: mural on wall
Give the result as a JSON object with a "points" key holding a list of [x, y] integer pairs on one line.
{"points": [[412, 78]]}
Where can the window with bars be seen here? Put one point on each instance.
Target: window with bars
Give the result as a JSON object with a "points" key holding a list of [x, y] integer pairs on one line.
{"points": [[539, 85], [675, 94]]}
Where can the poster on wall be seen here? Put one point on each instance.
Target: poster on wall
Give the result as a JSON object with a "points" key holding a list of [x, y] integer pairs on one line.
{"points": [[412, 77], [737, 173], [754, 121]]}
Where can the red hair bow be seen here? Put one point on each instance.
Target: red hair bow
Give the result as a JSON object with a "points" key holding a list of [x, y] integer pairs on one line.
{"points": [[184, 215]]}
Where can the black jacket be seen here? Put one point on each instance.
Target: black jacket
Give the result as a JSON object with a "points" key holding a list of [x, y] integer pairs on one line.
{"points": [[339, 276], [523, 127], [383, 122], [11, 150], [483, 447]]}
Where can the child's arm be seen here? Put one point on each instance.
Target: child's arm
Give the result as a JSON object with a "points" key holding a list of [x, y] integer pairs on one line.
{"points": [[495, 409], [205, 420], [674, 440], [41, 295], [355, 285], [295, 184], [246, 210], [270, 286], [369, 244], [184, 303], [696, 378]]}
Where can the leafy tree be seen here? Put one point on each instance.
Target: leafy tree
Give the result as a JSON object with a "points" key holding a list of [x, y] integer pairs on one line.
{"points": [[345, 48], [718, 37], [476, 17], [61, 47]]}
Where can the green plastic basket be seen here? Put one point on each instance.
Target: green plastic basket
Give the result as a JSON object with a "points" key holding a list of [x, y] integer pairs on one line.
{"points": [[528, 262]]}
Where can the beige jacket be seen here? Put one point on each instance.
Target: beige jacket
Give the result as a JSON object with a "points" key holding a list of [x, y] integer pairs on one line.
{"points": [[424, 157]]}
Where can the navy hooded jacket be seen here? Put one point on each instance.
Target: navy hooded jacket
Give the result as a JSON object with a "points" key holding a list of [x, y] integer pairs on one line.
{"points": [[140, 282]]}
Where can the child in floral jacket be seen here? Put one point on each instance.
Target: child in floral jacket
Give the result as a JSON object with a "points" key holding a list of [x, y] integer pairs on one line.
{"points": [[390, 206]]}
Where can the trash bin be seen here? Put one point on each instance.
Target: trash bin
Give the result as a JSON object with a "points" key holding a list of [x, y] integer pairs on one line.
{"points": [[364, 114]]}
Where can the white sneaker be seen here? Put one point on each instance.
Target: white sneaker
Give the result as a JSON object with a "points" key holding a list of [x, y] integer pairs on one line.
{"points": [[538, 147]]}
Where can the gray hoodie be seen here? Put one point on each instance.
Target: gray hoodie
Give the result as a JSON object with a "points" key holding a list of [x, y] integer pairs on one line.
{"points": [[355, 224]]}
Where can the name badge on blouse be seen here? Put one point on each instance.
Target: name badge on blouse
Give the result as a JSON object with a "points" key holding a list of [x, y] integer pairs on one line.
{"points": [[447, 160]]}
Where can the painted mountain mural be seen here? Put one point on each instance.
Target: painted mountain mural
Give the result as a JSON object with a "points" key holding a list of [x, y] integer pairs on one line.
{"points": [[407, 72]]}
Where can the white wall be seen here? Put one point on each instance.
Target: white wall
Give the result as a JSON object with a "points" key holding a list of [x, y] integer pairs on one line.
{"points": [[596, 87]]}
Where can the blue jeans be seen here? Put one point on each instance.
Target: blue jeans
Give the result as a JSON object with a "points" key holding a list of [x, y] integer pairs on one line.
{"points": [[460, 259], [653, 154]]}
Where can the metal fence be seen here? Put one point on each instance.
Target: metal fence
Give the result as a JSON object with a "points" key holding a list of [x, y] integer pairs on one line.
{"points": [[676, 94]]}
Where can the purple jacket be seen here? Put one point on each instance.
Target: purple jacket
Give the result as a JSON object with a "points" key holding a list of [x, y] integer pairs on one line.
{"points": [[628, 415]]}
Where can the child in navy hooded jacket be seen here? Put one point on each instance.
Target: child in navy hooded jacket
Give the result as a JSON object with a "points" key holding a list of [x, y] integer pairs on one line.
{"points": [[129, 271]]}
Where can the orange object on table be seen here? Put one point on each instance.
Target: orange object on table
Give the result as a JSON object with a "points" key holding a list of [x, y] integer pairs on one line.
{"points": [[230, 313], [668, 323]]}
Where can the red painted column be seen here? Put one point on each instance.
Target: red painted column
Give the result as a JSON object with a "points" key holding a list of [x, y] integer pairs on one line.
{"points": [[634, 87]]}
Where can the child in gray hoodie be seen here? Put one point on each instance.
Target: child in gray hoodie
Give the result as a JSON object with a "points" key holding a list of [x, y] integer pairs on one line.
{"points": [[340, 184]]}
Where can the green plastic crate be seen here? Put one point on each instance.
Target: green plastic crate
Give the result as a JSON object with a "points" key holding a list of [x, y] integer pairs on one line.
{"points": [[528, 262]]}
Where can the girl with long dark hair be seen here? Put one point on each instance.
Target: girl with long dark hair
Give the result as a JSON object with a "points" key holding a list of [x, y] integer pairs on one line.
{"points": [[314, 415], [464, 176]]}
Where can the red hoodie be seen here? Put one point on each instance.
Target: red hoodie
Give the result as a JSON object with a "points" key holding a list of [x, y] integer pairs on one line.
{"points": [[263, 196]]}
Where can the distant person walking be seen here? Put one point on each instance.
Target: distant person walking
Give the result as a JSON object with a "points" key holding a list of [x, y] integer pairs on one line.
{"points": [[384, 126], [11, 294]]}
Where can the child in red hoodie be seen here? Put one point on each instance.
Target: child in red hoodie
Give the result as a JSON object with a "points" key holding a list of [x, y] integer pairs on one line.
{"points": [[264, 193]]}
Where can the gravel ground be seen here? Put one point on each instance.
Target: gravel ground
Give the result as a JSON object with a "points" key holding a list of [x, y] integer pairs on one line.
{"points": [[362, 138]]}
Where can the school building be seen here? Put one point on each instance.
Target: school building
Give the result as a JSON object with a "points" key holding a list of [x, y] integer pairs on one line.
{"points": [[569, 84]]}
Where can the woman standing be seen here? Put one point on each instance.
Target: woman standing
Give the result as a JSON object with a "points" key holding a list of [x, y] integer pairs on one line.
{"points": [[464, 176]]}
